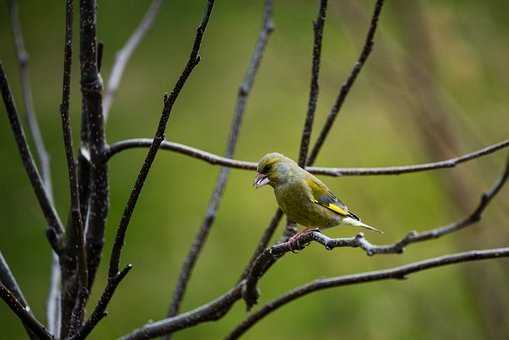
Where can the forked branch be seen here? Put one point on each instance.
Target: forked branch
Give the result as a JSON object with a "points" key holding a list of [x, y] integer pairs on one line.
{"points": [[396, 273]]}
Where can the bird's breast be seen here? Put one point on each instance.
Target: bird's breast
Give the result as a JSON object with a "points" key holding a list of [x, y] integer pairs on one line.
{"points": [[297, 204]]}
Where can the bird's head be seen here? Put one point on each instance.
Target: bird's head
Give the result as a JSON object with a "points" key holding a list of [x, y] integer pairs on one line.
{"points": [[273, 169]]}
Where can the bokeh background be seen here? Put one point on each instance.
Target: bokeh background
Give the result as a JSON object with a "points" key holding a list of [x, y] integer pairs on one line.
{"points": [[435, 86]]}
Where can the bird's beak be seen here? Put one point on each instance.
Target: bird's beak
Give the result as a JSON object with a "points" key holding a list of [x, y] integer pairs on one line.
{"points": [[260, 180]]}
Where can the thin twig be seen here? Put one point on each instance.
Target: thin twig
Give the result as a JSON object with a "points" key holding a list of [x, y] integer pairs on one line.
{"points": [[215, 199], [270, 255], [75, 245], [125, 53], [26, 90], [398, 273], [9, 281], [207, 312], [318, 25], [23, 313], [214, 159], [91, 89], [141, 143], [54, 297], [55, 229], [406, 169], [347, 85], [76, 240]]}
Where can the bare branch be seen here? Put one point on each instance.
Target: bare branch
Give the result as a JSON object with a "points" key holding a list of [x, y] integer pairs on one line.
{"points": [[91, 89], [169, 101], [95, 140], [268, 257], [347, 86], [23, 313], [183, 149], [125, 53], [75, 245], [26, 91], [215, 199], [318, 25], [214, 159], [398, 273], [405, 169], [55, 229], [9, 281], [76, 240], [208, 312]]}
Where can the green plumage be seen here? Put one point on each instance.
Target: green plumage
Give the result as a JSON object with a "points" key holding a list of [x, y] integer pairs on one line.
{"points": [[303, 198]]}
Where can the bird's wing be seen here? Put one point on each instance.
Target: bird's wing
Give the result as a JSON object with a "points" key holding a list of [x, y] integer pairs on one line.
{"points": [[323, 196]]}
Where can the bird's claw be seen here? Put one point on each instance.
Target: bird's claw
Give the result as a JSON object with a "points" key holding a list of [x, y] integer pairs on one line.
{"points": [[294, 243]]}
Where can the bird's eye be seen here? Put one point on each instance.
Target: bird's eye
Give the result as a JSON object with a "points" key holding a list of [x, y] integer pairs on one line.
{"points": [[266, 168]]}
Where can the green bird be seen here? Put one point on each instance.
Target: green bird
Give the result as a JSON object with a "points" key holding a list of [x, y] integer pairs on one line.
{"points": [[301, 196]]}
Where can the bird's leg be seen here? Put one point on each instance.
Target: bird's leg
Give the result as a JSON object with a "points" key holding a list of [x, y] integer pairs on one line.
{"points": [[294, 241], [290, 230]]}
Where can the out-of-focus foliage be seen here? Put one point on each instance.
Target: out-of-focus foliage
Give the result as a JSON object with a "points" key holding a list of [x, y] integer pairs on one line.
{"points": [[436, 85]]}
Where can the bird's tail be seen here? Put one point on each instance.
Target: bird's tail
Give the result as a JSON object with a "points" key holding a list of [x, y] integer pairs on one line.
{"points": [[357, 223]]}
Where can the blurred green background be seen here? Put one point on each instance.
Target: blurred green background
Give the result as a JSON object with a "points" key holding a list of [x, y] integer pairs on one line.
{"points": [[435, 86]]}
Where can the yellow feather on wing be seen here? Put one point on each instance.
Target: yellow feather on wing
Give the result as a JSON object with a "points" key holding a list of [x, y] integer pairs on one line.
{"points": [[336, 209], [324, 197]]}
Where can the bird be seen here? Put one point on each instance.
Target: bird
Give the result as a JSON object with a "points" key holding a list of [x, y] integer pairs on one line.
{"points": [[303, 197]]}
